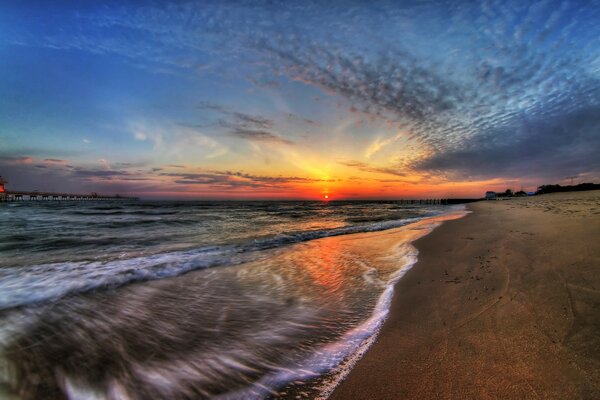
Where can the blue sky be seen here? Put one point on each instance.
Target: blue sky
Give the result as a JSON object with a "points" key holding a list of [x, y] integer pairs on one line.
{"points": [[267, 99]]}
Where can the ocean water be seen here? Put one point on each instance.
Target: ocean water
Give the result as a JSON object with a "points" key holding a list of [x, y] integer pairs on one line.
{"points": [[192, 300]]}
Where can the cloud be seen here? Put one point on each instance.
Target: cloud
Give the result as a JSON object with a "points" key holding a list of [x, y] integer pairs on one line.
{"points": [[231, 180], [209, 105], [53, 176], [180, 142], [56, 175], [296, 118], [393, 83], [104, 163], [369, 168], [57, 162], [104, 174], [379, 144], [259, 136], [553, 148], [139, 135], [251, 121], [235, 119], [254, 128], [18, 159]]}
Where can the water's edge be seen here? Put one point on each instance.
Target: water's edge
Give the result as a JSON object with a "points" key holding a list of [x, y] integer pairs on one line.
{"points": [[342, 371]]}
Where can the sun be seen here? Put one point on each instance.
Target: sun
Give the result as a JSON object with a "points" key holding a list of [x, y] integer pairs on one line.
{"points": [[326, 197]]}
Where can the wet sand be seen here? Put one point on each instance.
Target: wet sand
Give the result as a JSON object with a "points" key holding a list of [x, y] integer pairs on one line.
{"points": [[502, 304]]}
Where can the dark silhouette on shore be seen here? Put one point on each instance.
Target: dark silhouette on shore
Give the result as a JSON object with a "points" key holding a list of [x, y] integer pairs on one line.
{"points": [[569, 188]]}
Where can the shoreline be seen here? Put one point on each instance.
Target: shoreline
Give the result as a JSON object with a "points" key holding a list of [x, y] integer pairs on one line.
{"points": [[410, 254], [494, 308]]}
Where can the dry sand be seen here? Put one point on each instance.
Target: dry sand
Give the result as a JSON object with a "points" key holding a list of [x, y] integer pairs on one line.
{"points": [[502, 304]]}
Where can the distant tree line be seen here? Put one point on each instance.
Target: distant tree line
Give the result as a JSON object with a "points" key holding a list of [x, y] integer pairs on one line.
{"points": [[570, 188]]}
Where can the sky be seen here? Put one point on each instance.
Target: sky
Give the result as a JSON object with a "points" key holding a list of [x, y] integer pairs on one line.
{"points": [[298, 99]]}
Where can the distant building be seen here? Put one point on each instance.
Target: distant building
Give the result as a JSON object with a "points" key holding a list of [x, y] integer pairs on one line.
{"points": [[490, 195]]}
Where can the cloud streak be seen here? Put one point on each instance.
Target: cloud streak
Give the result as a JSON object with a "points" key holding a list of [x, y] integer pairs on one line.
{"points": [[232, 180], [365, 167], [259, 136], [254, 128]]}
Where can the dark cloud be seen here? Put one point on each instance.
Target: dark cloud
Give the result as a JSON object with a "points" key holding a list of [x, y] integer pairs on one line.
{"points": [[251, 121], [208, 105], [553, 148], [105, 174], [229, 179], [233, 118], [296, 118], [241, 125], [259, 136]]}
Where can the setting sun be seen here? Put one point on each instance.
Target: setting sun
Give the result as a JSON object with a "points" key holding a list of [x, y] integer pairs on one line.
{"points": [[326, 197]]}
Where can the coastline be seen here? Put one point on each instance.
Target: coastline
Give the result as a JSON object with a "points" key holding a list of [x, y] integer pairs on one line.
{"points": [[500, 304]]}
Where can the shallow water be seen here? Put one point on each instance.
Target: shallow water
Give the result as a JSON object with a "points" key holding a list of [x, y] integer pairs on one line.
{"points": [[276, 315]]}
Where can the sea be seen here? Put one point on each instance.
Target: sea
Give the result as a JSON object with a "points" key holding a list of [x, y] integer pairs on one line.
{"points": [[195, 300]]}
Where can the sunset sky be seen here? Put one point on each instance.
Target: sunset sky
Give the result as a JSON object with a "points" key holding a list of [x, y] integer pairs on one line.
{"points": [[298, 99]]}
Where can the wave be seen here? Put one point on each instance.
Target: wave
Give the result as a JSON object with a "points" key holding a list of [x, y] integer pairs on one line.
{"points": [[337, 358], [107, 211], [21, 286]]}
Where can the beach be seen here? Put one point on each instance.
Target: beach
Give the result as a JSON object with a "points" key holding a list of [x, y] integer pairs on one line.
{"points": [[502, 303]]}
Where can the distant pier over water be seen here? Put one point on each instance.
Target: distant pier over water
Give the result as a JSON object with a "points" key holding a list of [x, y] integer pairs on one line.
{"points": [[15, 195]]}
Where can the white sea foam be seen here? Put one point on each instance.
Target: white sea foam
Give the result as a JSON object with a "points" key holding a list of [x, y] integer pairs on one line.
{"points": [[338, 358]]}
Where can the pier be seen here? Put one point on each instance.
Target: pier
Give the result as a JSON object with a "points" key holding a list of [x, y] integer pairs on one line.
{"points": [[15, 195], [53, 196]]}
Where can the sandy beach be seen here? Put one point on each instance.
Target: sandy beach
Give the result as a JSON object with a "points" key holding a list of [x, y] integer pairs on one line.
{"points": [[502, 304]]}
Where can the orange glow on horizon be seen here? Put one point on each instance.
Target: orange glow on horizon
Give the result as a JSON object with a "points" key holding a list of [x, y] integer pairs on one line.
{"points": [[346, 183]]}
